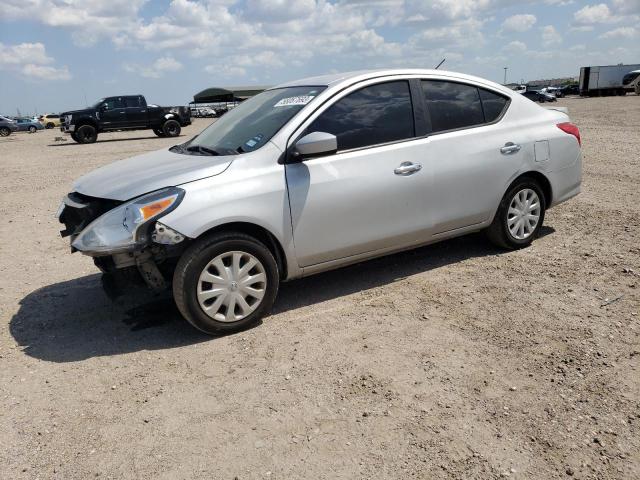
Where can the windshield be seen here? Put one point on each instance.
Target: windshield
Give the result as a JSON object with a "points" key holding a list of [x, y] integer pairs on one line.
{"points": [[252, 123]]}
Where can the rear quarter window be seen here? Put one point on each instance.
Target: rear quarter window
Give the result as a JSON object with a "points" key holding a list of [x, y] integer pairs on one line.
{"points": [[493, 105]]}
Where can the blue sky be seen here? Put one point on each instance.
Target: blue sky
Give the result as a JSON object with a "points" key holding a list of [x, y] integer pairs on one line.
{"points": [[54, 53]]}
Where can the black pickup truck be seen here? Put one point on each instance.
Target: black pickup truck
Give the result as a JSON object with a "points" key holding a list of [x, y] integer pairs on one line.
{"points": [[126, 112]]}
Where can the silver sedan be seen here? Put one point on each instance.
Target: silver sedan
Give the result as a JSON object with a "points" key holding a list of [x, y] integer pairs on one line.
{"points": [[319, 173]]}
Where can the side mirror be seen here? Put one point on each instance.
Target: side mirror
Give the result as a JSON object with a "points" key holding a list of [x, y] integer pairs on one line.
{"points": [[104, 107], [314, 145]]}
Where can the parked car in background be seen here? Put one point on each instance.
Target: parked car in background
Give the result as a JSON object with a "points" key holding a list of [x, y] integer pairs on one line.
{"points": [[570, 89], [28, 125], [539, 96], [50, 120], [7, 126], [555, 91], [126, 112], [320, 173], [632, 81]]}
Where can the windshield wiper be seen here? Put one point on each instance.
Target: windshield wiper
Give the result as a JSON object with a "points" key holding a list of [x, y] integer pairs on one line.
{"points": [[202, 150], [177, 149]]}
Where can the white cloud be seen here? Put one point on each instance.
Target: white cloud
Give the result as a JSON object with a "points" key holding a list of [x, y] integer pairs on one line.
{"points": [[31, 61], [621, 32], [626, 6], [515, 47], [225, 71], [156, 70], [45, 72], [88, 20], [519, 23], [550, 36], [590, 14]]}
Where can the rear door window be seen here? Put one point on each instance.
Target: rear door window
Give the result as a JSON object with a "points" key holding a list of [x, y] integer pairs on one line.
{"points": [[132, 102], [452, 105], [370, 116]]}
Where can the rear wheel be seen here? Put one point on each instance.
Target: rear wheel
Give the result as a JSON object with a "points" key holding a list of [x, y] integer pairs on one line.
{"points": [[519, 216], [86, 134], [49, 125], [171, 128], [5, 131], [225, 282], [32, 129], [159, 132]]}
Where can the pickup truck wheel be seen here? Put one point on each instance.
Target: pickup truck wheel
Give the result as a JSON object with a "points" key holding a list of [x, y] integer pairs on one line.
{"points": [[171, 128], [519, 216], [159, 132], [75, 137], [4, 132], [86, 134], [225, 282]]}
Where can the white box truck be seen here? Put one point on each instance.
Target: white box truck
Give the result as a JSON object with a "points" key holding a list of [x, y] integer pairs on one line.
{"points": [[603, 80]]}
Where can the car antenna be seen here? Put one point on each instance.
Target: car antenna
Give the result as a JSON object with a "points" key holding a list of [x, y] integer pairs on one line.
{"points": [[440, 64]]}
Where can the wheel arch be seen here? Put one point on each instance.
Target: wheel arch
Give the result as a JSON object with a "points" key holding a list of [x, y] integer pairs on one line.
{"points": [[87, 121], [259, 233], [542, 180]]}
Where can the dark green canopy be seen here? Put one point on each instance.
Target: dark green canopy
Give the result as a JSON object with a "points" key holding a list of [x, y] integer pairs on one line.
{"points": [[219, 94]]}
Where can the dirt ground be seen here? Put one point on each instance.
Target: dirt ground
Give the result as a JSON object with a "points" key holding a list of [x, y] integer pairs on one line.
{"points": [[452, 361]]}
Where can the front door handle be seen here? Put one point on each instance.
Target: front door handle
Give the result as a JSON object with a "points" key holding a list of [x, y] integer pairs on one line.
{"points": [[509, 148], [407, 168]]}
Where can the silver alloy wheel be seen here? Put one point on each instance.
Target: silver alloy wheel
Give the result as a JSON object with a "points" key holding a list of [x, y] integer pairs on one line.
{"points": [[524, 214], [231, 286]]}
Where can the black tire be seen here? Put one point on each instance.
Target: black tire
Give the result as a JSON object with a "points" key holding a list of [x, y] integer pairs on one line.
{"points": [[159, 132], [499, 233], [49, 125], [86, 134], [171, 128], [74, 137], [5, 131], [32, 129], [193, 262]]}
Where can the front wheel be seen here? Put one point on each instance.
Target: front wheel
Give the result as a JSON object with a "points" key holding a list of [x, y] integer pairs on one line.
{"points": [[519, 216], [225, 282], [49, 125], [32, 129], [5, 131], [171, 128], [86, 134]]}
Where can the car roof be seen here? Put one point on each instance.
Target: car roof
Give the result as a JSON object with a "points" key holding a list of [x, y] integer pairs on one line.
{"points": [[335, 79]]}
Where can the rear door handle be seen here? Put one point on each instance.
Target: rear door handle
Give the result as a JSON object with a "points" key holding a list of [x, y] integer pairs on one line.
{"points": [[407, 168], [509, 148]]}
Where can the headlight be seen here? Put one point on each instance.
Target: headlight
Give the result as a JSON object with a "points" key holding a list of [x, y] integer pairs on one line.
{"points": [[127, 224]]}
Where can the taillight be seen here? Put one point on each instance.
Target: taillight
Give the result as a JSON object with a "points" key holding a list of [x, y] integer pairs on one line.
{"points": [[571, 129]]}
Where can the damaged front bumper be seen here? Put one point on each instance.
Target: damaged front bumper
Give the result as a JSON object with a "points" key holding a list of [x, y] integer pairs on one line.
{"points": [[124, 238]]}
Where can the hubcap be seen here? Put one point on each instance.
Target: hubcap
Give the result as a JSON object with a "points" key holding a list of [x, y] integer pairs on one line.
{"points": [[231, 286], [524, 214]]}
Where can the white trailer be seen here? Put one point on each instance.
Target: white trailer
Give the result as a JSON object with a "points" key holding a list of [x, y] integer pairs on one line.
{"points": [[604, 80]]}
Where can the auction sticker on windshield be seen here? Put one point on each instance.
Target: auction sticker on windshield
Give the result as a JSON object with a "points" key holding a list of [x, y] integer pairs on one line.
{"points": [[300, 100]]}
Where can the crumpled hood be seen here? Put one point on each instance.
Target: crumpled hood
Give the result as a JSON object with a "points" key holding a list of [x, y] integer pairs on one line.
{"points": [[145, 173]]}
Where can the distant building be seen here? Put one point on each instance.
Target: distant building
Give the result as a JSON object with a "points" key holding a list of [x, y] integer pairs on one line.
{"points": [[552, 81]]}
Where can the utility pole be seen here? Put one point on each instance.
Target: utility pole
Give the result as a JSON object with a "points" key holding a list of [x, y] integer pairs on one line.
{"points": [[505, 75]]}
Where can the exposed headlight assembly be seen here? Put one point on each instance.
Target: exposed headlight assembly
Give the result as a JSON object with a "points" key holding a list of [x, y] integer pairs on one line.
{"points": [[128, 224]]}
